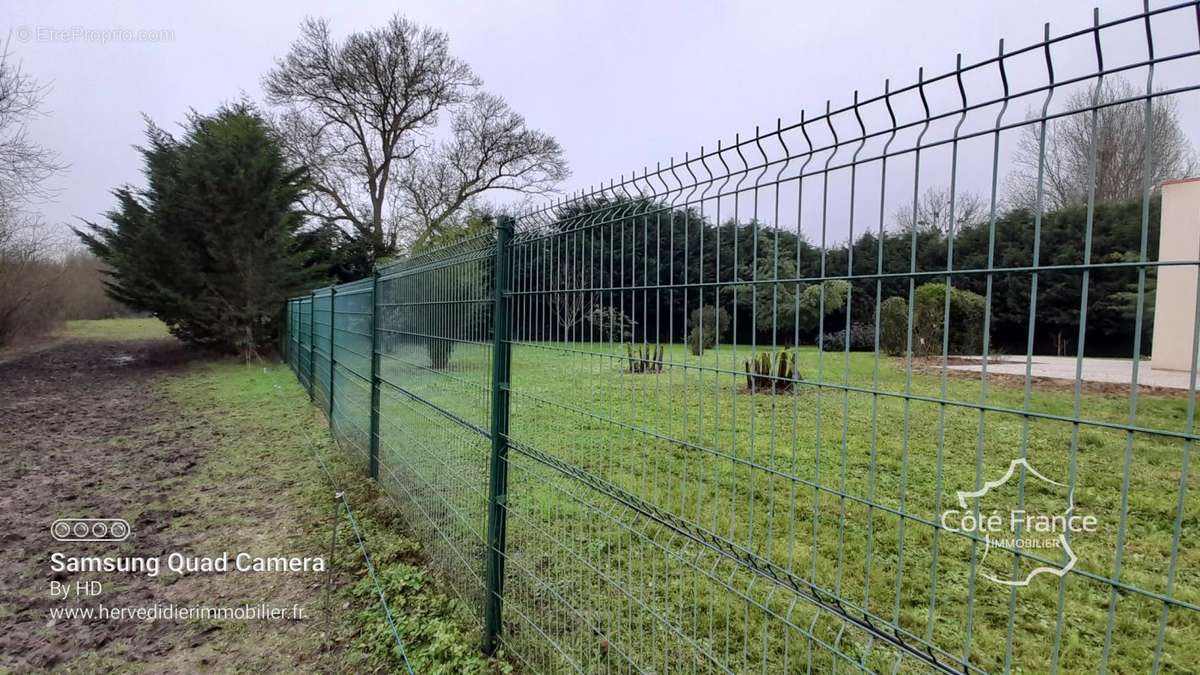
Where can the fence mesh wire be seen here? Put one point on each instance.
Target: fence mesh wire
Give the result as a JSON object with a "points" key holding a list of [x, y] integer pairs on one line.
{"points": [[752, 394]]}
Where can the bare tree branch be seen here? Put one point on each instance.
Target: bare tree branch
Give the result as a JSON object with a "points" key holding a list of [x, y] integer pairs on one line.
{"points": [[491, 149], [933, 211], [1120, 140], [362, 115], [24, 165]]}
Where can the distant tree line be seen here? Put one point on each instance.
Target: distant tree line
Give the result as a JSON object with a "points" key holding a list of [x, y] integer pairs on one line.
{"points": [[769, 280]]}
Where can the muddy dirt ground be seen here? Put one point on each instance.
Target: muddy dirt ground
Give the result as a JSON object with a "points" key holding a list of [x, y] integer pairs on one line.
{"points": [[83, 432]]}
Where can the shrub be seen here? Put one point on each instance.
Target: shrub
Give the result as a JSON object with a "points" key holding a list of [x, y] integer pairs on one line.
{"points": [[610, 324], [966, 321], [29, 279], [965, 325], [83, 295], [765, 297], [862, 339], [707, 324], [828, 296], [893, 326]]}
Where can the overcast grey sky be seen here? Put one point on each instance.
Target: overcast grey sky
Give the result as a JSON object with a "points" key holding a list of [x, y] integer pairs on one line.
{"points": [[620, 84]]}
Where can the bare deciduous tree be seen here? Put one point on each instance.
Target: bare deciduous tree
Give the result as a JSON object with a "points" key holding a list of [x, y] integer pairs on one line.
{"points": [[490, 148], [570, 304], [28, 272], [933, 211], [1120, 148], [24, 165], [363, 115], [29, 276]]}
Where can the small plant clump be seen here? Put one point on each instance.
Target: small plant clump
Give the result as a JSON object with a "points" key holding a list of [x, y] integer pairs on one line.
{"points": [[773, 373], [645, 359]]}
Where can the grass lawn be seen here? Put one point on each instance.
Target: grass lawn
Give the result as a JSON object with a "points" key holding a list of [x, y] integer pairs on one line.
{"points": [[133, 328], [268, 432], [837, 488]]}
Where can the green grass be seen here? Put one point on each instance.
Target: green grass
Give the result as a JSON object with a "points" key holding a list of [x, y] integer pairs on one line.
{"points": [[269, 432], [145, 328], [264, 434], [595, 583]]}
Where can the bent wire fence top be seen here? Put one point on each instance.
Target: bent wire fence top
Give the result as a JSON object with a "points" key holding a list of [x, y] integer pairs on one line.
{"points": [[701, 419]]}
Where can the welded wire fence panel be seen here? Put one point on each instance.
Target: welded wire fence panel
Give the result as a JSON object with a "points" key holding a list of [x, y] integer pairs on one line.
{"points": [[292, 320], [322, 346], [304, 354], [434, 332], [767, 488], [352, 324], [825, 398]]}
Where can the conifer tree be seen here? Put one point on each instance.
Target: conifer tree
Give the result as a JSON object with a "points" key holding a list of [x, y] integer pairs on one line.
{"points": [[210, 244]]}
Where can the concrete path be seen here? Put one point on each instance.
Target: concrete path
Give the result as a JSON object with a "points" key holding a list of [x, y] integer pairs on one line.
{"points": [[1116, 371]]}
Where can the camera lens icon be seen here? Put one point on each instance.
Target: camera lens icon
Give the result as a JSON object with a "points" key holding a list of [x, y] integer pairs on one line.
{"points": [[90, 529]]}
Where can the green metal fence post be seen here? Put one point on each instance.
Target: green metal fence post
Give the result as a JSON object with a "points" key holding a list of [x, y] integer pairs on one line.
{"points": [[294, 336], [373, 441], [498, 469], [332, 309], [312, 343]]}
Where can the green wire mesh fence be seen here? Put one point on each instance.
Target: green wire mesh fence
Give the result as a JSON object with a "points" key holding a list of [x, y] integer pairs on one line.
{"points": [[780, 406]]}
